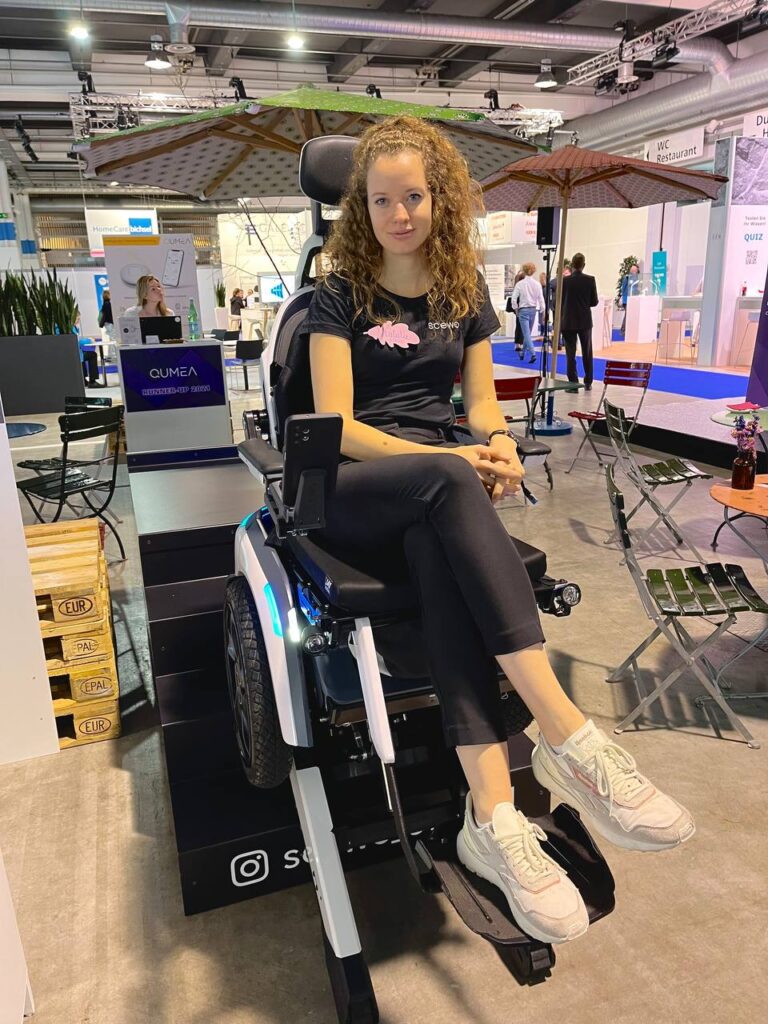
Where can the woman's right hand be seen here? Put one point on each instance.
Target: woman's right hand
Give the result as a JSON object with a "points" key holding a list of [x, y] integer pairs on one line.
{"points": [[491, 471]]}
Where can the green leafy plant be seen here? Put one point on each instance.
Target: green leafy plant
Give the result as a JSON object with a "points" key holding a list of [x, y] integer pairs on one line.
{"points": [[36, 303], [17, 315], [624, 268], [221, 293]]}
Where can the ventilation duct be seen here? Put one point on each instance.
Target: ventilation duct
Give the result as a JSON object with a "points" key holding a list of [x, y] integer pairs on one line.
{"points": [[346, 21], [697, 99], [178, 29]]}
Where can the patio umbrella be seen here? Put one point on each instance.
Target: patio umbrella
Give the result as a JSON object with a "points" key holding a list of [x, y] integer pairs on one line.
{"points": [[252, 148], [587, 178]]}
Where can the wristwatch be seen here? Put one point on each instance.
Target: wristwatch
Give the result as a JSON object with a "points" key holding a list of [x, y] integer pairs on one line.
{"points": [[493, 434]]}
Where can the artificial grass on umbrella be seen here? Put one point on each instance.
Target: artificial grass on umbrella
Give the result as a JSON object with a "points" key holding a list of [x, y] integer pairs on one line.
{"points": [[252, 148]]}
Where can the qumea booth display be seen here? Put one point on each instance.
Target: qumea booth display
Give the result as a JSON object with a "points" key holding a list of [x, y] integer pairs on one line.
{"points": [[175, 397], [301, 700]]}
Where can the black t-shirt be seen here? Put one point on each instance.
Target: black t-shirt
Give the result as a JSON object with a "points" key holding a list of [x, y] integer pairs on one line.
{"points": [[404, 370]]}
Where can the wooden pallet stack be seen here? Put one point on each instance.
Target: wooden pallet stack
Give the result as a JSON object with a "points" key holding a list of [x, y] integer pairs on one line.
{"points": [[72, 590]]}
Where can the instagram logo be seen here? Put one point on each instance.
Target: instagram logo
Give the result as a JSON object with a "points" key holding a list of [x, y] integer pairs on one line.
{"points": [[249, 868]]}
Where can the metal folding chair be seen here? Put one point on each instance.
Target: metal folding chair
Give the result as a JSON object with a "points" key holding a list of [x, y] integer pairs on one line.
{"points": [[627, 375], [70, 478], [524, 389], [705, 592], [513, 389], [649, 477]]}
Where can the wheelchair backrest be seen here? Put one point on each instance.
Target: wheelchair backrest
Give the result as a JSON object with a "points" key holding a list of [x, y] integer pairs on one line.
{"points": [[324, 168]]}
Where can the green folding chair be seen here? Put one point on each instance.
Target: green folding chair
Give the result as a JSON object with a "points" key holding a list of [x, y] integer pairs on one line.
{"points": [[649, 477], [705, 592]]}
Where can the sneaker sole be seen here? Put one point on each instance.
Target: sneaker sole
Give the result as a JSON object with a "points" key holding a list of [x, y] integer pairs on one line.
{"points": [[616, 836], [473, 863]]}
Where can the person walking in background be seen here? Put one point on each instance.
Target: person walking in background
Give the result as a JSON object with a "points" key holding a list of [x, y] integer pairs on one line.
{"points": [[527, 299], [628, 287], [237, 302], [511, 309], [579, 297], [106, 320]]}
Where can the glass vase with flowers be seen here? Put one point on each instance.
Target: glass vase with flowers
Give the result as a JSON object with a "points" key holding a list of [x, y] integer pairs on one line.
{"points": [[745, 464]]}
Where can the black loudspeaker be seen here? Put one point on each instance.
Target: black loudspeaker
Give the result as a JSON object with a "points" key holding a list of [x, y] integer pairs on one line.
{"points": [[548, 226]]}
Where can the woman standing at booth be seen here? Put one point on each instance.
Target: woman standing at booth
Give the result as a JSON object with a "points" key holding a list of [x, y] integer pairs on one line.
{"points": [[400, 310]]}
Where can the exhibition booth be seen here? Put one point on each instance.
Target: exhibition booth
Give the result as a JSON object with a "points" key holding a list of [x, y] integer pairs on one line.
{"points": [[267, 651]]}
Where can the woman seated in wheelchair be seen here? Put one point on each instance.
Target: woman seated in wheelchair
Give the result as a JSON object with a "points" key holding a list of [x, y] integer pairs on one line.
{"points": [[401, 308]]}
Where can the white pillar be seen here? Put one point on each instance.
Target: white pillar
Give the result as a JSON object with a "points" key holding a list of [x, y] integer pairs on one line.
{"points": [[25, 230], [27, 725], [10, 256]]}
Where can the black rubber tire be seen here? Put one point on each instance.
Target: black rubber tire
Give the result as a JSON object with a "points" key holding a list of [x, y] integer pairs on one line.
{"points": [[265, 756], [517, 717]]}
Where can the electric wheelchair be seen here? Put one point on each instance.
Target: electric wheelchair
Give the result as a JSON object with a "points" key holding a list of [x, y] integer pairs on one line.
{"points": [[328, 682]]}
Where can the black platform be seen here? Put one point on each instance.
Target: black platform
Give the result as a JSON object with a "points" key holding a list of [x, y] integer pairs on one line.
{"points": [[233, 841]]}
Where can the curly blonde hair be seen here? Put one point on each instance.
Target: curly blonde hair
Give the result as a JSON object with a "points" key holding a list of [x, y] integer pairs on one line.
{"points": [[452, 249]]}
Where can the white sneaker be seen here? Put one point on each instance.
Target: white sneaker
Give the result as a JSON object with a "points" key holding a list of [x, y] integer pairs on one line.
{"points": [[601, 781], [543, 900]]}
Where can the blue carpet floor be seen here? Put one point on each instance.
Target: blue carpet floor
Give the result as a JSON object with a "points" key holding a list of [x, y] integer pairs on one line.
{"points": [[678, 380]]}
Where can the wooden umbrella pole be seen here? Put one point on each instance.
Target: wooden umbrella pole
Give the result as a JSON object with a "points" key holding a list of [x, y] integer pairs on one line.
{"points": [[559, 287]]}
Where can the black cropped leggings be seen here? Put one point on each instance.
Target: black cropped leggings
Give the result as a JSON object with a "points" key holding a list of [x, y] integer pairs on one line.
{"points": [[476, 598]]}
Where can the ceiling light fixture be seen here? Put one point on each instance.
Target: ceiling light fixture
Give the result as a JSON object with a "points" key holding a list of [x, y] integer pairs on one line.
{"points": [[605, 84], [79, 32], [546, 79], [626, 73], [87, 85], [237, 85], [157, 59], [295, 41], [757, 17], [373, 90], [664, 53], [493, 97]]}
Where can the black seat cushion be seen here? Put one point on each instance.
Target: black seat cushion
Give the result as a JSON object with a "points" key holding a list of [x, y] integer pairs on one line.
{"points": [[381, 585], [338, 680]]}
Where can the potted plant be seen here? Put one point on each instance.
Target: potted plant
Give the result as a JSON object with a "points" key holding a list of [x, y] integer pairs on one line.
{"points": [[745, 464], [40, 360], [221, 312]]}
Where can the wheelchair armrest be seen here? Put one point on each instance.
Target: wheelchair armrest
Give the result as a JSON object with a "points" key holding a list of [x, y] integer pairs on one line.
{"points": [[261, 458]]}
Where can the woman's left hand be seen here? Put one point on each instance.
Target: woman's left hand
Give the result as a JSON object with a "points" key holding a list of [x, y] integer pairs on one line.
{"points": [[504, 449]]}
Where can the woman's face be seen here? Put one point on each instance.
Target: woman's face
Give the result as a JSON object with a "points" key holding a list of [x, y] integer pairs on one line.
{"points": [[399, 202], [155, 291]]}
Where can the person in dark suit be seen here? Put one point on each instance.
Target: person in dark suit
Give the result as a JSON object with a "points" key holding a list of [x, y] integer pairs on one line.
{"points": [[579, 296]]}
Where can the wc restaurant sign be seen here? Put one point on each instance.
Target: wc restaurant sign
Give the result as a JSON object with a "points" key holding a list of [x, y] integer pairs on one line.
{"points": [[678, 148]]}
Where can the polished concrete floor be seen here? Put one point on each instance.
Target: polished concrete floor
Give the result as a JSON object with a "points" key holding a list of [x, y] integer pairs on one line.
{"points": [[87, 838]]}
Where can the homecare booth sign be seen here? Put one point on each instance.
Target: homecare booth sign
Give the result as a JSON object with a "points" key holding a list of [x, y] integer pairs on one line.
{"points": [[117, 222]]}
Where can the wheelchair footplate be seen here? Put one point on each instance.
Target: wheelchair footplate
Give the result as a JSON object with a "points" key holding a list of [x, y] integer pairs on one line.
{"points": [[484, 909]]}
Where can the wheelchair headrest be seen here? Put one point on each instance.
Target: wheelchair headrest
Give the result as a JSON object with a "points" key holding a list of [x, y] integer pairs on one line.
{"points": [[324, 167]]}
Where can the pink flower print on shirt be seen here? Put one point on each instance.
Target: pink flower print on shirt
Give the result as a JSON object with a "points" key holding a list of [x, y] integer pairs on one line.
{"points": [[393, 335]]}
